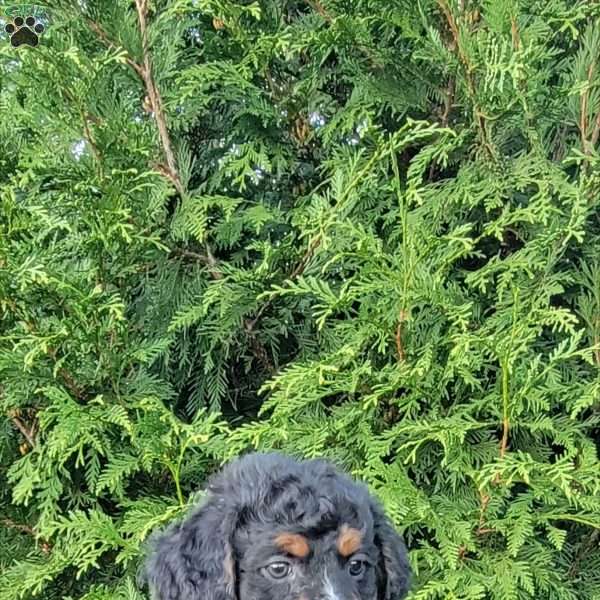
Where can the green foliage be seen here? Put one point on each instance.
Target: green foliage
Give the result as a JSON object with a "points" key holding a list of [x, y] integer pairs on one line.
{"points": [[365, 230]]}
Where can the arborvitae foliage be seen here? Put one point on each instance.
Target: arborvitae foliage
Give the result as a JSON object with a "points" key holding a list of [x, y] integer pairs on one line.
{"points": [[363, 229]]}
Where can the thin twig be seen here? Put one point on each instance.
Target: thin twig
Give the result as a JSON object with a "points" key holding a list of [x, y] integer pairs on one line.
{"points": [[156, 99], [96, 28], [484, 500], [89, 137], [144, 71], [71, 384], [583, 107], [10, 524], [448, 101], [319, 8], [596, 132], [170, 170], [399, 345], [468, 69], [45, 546], [505, 408], [193, 255], [516, 38], [24, 431]]}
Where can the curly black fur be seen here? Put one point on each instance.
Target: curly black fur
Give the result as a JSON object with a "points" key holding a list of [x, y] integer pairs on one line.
{"points": [[229, 549]]}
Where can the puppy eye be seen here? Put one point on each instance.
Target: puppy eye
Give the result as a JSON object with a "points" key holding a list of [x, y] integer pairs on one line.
{"points": [[356, 567], [279, 570]]}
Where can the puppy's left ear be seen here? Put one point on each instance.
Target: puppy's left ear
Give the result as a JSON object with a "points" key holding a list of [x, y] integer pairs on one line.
{"points": [[394, 569]]}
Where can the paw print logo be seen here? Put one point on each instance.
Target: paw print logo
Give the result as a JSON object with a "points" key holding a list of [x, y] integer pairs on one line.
{"points": [[24, 31]]}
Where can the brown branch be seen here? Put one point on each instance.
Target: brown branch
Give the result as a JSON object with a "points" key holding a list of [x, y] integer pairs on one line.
{"points": [[504, 442], [583, 120], [306, 258], [596, 132], [10, 524], [72, 385], [319, 8], [207, 259], [144, 71], [27, 434], [193, 255], [399, 345], [468, 68], [516, 38], [456, 39], [484, 500], [583, 107], [96, 28], [156, 99], [448, 101], [89, 137]]}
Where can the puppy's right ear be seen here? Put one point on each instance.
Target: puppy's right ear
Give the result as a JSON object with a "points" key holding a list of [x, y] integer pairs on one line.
{"points": [[194, 560]]}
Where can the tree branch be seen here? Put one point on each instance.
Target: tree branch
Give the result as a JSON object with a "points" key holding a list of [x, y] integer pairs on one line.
{"points": [[468, 70], [399, 345], [10, 524], [27, 434], [96, 28], [144, 71], [156, 99]]}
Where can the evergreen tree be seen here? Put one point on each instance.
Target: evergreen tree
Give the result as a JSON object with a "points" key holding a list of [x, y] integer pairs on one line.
{"points": [[360, 229]]}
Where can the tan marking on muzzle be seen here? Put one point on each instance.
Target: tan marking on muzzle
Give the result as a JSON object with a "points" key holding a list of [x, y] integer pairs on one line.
{"points": [[349, 540], [293, 543]]}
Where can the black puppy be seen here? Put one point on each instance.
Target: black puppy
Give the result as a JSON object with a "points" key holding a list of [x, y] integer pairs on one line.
{"points": [[273, 528]]}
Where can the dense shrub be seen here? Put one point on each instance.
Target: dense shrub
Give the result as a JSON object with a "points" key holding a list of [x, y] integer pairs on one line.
{"points": [[363, 229]]}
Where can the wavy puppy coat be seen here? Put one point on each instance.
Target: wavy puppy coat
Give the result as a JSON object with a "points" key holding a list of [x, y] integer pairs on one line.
{"points": [[273, 528]]}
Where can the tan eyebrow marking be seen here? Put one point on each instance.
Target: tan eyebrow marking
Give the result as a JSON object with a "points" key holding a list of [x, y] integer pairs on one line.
{"points": [[293, 543], [349, 540]]}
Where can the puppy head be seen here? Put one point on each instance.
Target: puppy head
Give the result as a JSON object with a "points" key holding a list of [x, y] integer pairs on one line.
{"points": [[276, 528]]}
